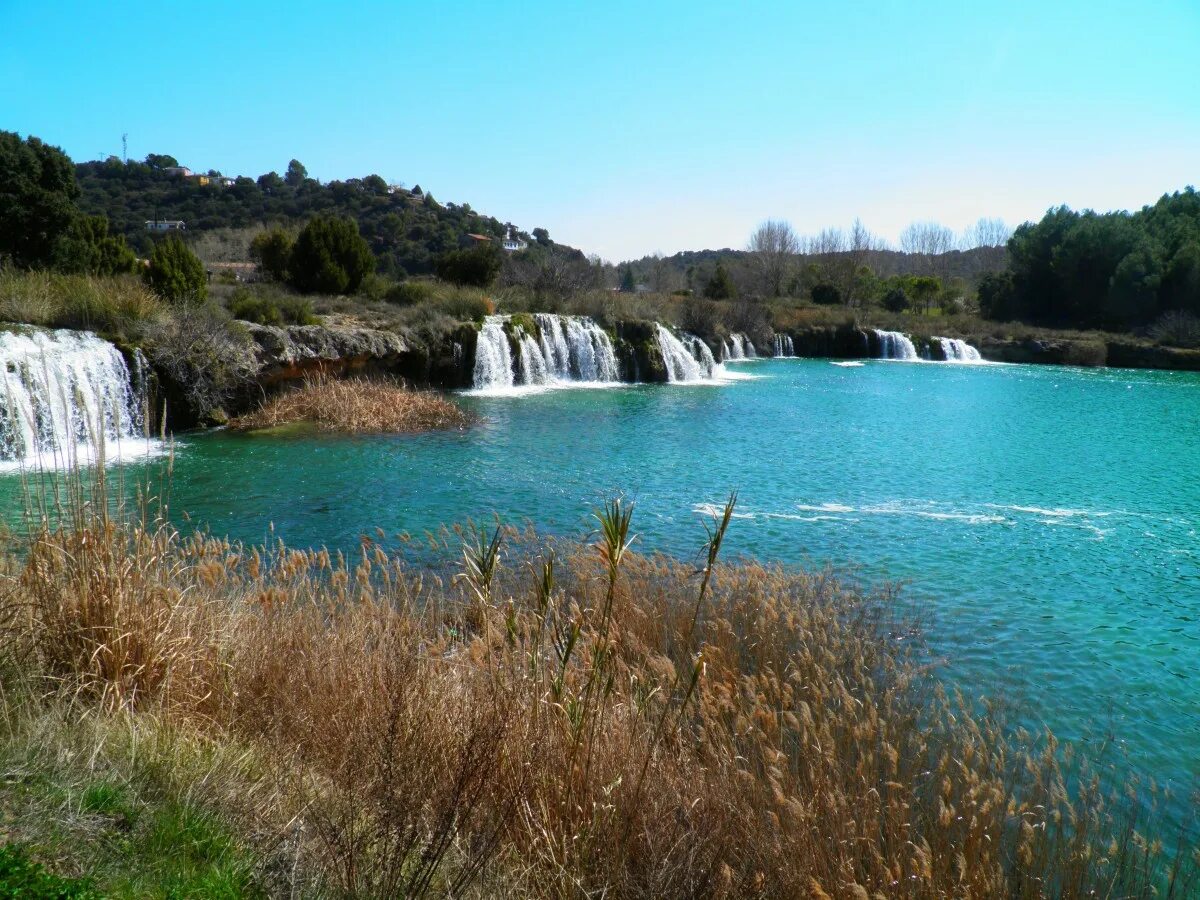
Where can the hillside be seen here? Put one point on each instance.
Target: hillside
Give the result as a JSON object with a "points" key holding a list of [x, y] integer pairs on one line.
{"points": [[406, 228]]}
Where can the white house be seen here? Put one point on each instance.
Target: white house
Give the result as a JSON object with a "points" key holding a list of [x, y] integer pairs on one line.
{"points": [[165, 225], [181, 171], [513, 243]]}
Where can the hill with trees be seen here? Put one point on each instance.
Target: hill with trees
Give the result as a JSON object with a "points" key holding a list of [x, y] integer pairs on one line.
{"points": [[405, 228]]}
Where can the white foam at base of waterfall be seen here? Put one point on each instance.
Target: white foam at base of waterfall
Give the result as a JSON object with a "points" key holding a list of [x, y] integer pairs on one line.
{"points": [[67, 399]]}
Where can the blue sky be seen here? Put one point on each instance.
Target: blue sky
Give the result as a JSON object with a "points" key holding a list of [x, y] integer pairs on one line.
{"points": [[630, 128]]}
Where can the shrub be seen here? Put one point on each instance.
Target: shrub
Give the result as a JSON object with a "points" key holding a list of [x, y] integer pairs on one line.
{"points": [[1176, 329], [720, 286], [175, 273], [409, 293], [280, 309], [204, 353], [329, 257], [23, 879], [476, 266], [272, 250], [825, 294], [896, 300]]}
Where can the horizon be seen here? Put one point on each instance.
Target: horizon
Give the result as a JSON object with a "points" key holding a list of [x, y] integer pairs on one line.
{"points": [[931, 115]]}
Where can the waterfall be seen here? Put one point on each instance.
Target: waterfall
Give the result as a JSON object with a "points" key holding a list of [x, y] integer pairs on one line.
{"points": [[700, 353], [493, 360], [65, 392], [895, 345], [955, 350], [784, 346], [738, 347], [566, 349], [678, 358]]}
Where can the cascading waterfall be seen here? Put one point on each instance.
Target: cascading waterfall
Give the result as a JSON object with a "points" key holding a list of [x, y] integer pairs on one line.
{"points": [[895, 345], [738, 347], [566, 349], [493, 359], [784, 346], [955, 350], [65, 392], [680, 356]]}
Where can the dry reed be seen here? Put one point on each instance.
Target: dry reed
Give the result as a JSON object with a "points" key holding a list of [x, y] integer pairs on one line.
{"points": [[357, 405], [566, 719]]}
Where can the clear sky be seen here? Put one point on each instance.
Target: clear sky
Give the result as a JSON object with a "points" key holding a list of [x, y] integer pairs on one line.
{"points": [[630, 128]]}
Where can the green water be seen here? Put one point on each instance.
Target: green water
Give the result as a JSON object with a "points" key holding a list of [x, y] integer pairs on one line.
{"points": [[1047, 517]]}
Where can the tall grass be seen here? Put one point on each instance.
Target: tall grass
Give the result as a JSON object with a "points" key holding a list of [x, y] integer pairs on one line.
{"points": [[118, 306], [568, 718], [357, 405]]}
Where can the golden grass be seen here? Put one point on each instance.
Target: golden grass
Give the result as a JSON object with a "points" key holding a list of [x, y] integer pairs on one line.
{"points": [[357, 405], [118, 306], [570, 719]]}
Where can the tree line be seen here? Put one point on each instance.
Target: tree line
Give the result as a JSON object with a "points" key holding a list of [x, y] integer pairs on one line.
{"points": [[1116, 270]]}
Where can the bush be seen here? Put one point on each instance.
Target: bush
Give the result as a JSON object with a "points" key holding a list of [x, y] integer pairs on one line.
{"points": [[477, 266], [896, 300], [409, 293], [282, 309], [826, 295], [329, 257], [272, 250], [203, 353], [176, 273], [22, 878], [1176, 329]]}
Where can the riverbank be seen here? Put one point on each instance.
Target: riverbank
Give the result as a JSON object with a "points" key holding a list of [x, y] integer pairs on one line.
{"points": [[558, 717]]}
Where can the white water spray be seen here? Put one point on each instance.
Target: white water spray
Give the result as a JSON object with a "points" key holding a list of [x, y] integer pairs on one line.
{"points": [[895, 345], [65, 394], [955, 350], [784, 347], [566, 349]]}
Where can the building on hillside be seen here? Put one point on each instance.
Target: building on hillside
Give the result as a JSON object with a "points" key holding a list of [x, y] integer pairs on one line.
{"points": [[165, 225], [178, 171], [512, 242]]}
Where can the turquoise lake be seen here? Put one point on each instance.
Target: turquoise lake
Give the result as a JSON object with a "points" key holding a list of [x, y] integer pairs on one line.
{"points": [[1047, 518]]}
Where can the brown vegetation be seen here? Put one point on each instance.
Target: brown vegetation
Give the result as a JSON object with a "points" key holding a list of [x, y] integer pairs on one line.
{"points": [[357, 405], [565, 719]]}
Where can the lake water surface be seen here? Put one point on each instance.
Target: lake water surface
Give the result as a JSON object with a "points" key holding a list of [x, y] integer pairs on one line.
{"points": [[1047, 517]]}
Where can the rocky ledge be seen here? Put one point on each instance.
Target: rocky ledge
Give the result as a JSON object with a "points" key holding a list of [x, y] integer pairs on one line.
{"points": [[294, 352]]}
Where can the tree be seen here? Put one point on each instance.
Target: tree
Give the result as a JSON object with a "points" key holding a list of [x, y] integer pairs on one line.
{"points": [[37, 199], [927, 242], [296, 173], [175, 273], [774, 247], [161, 161], [895, 300], [476, 266], [89, 248], [329, 257], [272, 251], [628, 285], [720, 285], [826, 294], [997, 297], [1181, 281], [542, 236]]}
